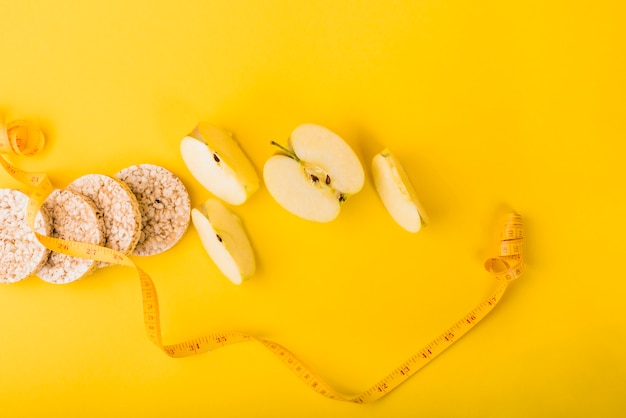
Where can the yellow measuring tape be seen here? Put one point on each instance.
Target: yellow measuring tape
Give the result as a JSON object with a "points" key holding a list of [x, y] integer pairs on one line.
{"points": [[24, 139]]}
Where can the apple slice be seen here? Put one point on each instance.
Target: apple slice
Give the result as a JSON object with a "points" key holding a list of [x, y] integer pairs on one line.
{"points": [[225, 240], [314, 175], [217, 162], [396, 191]]}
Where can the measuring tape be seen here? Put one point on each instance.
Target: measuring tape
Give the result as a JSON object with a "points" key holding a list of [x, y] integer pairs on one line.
{"points": [[24, 139]]}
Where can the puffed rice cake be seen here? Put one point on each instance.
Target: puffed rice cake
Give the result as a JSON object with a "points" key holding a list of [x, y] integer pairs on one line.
{"points": [[21, 254], [118, 206], [75, 218], [164, 204]]}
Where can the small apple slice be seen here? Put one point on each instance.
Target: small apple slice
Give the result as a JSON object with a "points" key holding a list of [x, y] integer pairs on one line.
{"points": [[219, 164], [225, 240], [396, 191], [314, 175]]}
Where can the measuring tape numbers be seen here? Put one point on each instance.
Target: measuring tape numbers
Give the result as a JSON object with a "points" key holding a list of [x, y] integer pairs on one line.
{"points": [[22, 138]]}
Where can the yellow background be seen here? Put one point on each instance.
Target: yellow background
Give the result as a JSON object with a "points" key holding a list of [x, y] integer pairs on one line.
{"points": [[490, 105]]}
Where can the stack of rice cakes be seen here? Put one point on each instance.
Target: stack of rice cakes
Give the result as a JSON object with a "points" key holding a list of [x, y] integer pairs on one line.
{"points": [[143, 210]]}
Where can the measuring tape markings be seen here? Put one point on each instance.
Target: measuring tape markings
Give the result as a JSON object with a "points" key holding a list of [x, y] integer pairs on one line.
{"points": [[22, 138]]}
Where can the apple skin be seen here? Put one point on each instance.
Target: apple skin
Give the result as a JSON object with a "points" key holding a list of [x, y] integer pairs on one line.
{"points": [[397, 192], [219, 164]]}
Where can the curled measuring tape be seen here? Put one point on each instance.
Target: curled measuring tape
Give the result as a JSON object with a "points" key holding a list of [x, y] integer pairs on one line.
{"points": [[20, 137], [24, 139]]}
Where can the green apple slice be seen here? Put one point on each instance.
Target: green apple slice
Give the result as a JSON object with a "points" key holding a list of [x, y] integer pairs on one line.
{"points": [[225, 240], [219, 164], [314, 175], [396, 191]]}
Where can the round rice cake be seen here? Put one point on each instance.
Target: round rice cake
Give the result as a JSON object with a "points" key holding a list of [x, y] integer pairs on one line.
{"points": [[74, 218], [21, 253], [164, 204], [118, 206]]}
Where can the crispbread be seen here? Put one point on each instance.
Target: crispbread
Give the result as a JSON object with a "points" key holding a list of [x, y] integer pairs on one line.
{"points": [[164, 204], [118, 206], [76, 218], [21, 254]]}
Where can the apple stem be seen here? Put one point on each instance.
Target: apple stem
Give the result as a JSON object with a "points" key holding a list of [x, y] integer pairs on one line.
{"points": [[286, 150]]}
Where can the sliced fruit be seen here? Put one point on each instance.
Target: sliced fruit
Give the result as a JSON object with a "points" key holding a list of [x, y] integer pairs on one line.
{"points": [[218, 163], [313, 175], [225, 240], [396, 191]]}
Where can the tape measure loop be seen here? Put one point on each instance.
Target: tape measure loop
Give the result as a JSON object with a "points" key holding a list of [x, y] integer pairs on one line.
{"points": [[510, 264], [21, 137]]}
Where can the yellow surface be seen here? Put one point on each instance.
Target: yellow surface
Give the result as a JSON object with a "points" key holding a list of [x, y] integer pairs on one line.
{"points": [[489, 105]]}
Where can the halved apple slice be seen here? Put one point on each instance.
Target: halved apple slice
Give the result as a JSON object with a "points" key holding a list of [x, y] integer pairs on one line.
{"points": [[313, 175], [225, 240], [219, 164], [396, 191]]}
